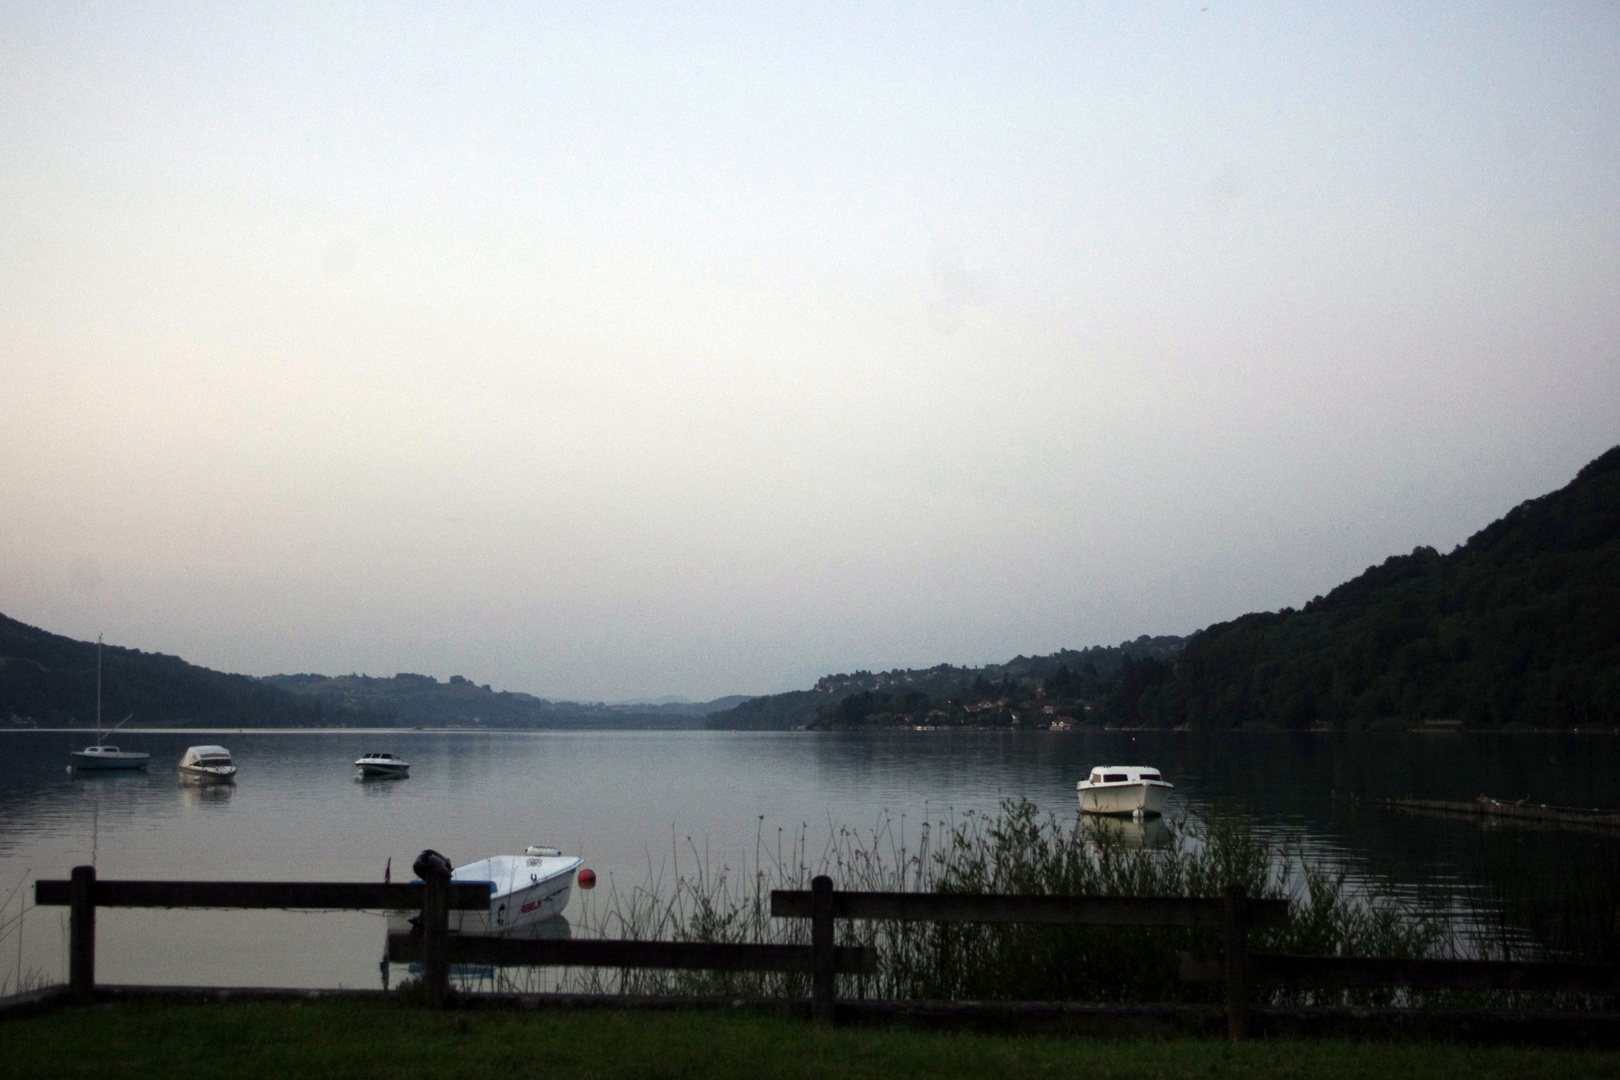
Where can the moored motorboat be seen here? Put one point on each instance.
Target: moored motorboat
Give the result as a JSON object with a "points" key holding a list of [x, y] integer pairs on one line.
{"points": [[207, 764], [382, 764], [1124, 789]]}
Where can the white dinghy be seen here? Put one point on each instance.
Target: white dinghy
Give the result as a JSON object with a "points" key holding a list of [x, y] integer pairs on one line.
{"points": [[524, 891], [1124, 789]]}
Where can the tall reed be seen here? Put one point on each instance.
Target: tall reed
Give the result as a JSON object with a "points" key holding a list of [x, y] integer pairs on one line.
{"points": [[693, 897]]}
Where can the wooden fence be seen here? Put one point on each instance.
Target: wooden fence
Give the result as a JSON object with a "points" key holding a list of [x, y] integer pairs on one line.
{"points": [[82, 894], [435, 897], [1235, 914]]}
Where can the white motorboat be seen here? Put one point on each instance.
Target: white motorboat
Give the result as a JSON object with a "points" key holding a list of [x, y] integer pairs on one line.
{"points": [[207, 763], [99, 755], [1124, 789], [524, 891], [381, 764]]}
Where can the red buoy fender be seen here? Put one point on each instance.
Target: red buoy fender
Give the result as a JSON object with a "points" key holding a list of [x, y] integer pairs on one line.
{"points": [[587, 879]]}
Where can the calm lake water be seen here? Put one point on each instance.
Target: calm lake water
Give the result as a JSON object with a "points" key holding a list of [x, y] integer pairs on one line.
{"points": [[624, 800]]}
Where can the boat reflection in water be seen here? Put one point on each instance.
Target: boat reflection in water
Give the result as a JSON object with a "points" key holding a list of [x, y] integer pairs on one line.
{"points": [[1126, 832], [403, 944], [211, 793], [376, 785]]}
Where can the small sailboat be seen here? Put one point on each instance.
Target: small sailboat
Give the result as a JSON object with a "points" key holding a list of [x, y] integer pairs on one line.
{"points": [[99, 756], [207, 764]]}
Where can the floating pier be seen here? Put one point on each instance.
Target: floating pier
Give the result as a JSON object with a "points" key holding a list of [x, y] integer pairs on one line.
{"points": [[1520, 811]]}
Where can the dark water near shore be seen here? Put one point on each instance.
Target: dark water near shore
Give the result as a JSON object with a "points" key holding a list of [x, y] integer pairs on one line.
{"points": [[628, 801]]}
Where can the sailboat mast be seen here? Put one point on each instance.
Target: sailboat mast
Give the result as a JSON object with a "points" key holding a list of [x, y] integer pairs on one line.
{"points": [[98, 689]]}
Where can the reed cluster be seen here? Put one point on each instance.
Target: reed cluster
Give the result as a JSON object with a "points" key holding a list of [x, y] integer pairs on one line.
{"points": [[693, 897]]}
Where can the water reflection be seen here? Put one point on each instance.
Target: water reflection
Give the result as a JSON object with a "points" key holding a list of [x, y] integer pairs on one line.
{"points": [[383, 785], [402, 948], [629, 801], [107, 776], [1127, 832], [194, 792]]}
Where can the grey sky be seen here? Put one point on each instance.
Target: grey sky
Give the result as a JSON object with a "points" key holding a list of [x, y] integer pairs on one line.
{"points": [[608, 351]]}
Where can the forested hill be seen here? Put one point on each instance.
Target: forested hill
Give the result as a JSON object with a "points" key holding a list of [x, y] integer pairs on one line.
{"points": [[1520, 625], [940, 695], [49, 679]]}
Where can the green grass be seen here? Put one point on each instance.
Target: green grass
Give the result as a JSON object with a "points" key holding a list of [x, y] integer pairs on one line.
{"points": [[385, 1039]]}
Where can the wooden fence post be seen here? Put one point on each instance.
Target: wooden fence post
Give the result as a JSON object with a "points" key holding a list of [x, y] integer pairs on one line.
{"points": [[82, 935], [435, 873], [1237, 962], [821, 948]]}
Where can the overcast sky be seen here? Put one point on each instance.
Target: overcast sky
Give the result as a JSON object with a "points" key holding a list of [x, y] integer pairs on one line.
{"points": [[615, 351]]}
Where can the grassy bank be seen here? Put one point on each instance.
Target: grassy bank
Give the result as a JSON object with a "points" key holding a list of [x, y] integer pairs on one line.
{"points": [[385, 1039]]}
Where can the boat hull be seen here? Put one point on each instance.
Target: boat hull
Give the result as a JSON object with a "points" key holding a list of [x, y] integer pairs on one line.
{"points": [[526, 894], [516, 913], [124, 759], [383, 770], [214, 774], [1144, 796]]}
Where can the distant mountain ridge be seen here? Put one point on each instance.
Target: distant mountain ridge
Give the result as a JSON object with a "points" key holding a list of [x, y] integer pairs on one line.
{"points": [[421, 699], [50, 680]]}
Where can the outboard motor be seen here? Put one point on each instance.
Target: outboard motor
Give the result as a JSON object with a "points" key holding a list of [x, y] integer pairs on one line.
{"points": [[431, 862]]}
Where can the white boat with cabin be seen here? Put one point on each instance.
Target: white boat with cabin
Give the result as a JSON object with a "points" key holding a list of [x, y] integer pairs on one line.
{"points": [[382, 764], [1124, 789], [207, 763], [104, 756], [99, 756]]}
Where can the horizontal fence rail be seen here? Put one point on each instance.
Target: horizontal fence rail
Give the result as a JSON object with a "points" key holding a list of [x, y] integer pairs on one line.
{"points": [[1357, 971], [293, 895], [1234, 914], [1165, 911], [435, 896], [688, 955]]}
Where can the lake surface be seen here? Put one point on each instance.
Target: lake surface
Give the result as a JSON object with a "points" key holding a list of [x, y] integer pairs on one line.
{"points": [[629, 801]]}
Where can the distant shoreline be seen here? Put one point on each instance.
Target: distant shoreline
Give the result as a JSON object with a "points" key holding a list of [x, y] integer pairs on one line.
{"points": [[357, 731], [1427, 732]]}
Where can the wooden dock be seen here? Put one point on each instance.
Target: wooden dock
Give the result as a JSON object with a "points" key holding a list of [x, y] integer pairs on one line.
{"points": [[1522, 812]]}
